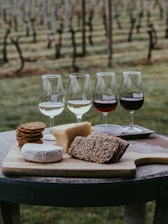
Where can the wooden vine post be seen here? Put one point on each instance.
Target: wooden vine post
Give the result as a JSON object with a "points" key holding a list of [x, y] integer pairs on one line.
{"points": [[108, 9], [83, 29]]}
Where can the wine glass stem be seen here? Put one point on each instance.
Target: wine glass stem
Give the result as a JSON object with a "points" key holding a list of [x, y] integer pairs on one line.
{"points": [[51, 124], [79, 118], [131, 119], [105, 118]]}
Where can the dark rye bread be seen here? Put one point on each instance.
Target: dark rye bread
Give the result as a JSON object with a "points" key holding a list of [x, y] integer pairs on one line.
{"points": [[99, 148]]}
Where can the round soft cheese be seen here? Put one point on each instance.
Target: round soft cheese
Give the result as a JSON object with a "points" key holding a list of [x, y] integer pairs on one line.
{"points": [[42, 153]]}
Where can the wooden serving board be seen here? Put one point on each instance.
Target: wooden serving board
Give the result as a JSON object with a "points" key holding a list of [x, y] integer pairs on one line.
{"points": [[14, 164]]}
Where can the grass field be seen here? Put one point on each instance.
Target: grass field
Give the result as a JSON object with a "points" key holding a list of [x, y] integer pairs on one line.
{"points": [[19, 95], [107, 215]]}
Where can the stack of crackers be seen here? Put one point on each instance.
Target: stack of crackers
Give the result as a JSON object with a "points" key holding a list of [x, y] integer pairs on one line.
{"points": [[30, 133]]}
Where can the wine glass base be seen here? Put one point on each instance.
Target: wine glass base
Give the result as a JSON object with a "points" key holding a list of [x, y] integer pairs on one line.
{"points": [[49, 137], [107, 129], [132, 130]]}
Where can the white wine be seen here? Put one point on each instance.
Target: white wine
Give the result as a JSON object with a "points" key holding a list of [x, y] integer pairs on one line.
{"points": [[79, 106], [51, 109]]}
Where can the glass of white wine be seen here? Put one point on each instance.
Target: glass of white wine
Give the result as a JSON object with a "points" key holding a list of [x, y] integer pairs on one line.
{"points": [[79, 94], [52, 99]]}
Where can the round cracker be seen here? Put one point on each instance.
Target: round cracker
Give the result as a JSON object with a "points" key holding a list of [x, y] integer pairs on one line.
{"points": [[32, 126]]}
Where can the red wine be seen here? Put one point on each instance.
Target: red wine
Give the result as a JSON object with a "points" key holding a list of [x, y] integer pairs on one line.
{"points": [[105, 105], [131, 103]]}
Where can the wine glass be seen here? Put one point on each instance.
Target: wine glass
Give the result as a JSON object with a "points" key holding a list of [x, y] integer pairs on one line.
{"points": [[79, 94], [132, 97], [51, 102], [105, 99]]}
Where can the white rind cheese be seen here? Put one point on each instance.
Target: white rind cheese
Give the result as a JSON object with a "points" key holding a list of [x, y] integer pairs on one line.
{"points": [[42, 153], [66, 133]]}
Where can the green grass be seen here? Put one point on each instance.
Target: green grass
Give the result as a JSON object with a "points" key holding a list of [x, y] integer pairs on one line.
{"points": [[96, 215], [72, 215]]}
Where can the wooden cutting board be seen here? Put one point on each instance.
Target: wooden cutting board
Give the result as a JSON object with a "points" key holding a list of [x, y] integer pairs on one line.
{"points": [[14, 164]]}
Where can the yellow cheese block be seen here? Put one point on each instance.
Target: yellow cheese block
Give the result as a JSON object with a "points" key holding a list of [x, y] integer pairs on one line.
{"points": [[66, 133]]}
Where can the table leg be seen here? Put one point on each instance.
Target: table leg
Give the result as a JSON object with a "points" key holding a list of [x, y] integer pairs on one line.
{"points": [[161, 212], [10, 213], [135, 214], [1, 219]]}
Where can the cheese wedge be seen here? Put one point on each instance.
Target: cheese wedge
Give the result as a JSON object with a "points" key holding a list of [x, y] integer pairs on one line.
{"points": [[66, 133]]}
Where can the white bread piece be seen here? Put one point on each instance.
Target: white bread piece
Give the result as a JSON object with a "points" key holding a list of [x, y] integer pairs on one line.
{"points": [[66, 133]]}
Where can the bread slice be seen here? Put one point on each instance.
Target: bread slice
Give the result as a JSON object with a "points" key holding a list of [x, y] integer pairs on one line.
{"points": [[66, 133], [99, 148]]}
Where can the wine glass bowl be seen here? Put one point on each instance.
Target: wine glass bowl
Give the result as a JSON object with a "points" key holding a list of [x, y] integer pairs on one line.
{"points": [[51, 102], [79, 94], [132, 97], [105, 100]]}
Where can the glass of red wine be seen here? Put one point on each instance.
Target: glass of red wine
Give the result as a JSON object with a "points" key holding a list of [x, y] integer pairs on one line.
{"points": [[132, 98], [105, 99]]}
